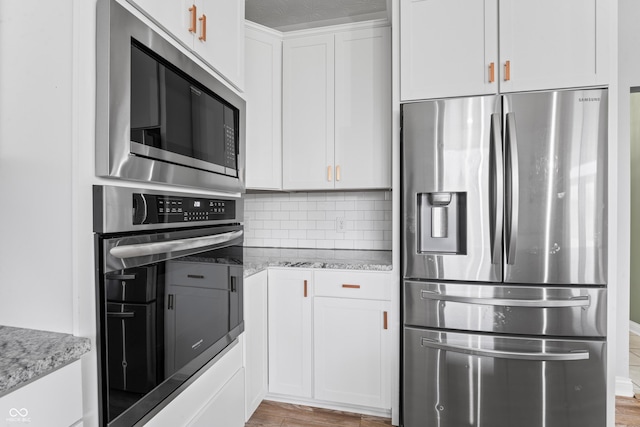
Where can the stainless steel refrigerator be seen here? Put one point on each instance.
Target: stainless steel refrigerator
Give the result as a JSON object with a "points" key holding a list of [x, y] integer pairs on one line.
{"points": [[504, 260]]}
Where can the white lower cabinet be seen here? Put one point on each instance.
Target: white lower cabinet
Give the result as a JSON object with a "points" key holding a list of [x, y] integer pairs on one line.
{"points": [[331, 346], [351, 357], [215, 398], [290, 340], [53, 400], [225, 408], [255, 344]]}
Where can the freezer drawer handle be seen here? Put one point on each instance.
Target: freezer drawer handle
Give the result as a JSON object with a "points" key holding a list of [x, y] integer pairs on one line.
{"points": [[145, 249], [581, 301], [497, 354]]}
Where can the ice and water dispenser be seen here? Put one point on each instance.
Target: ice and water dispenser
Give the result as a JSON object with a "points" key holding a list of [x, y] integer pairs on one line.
{"points": [[442, 219]]}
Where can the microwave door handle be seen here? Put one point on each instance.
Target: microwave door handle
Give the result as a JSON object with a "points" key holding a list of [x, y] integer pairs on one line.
{"points": [[579, 301], [500, 354], [145, 249]]}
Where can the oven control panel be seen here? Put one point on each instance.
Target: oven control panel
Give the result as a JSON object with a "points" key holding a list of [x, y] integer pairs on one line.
{"points": [[162, 209]]}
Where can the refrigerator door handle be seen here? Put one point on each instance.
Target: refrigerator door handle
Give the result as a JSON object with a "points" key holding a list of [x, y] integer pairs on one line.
{"points": [[500, 354], [512, 186], [496, 193], [580, 301]]}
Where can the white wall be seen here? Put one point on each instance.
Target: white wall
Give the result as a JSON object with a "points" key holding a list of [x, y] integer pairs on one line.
{"points": [[36, 273], [308, 220], [628, 75]]}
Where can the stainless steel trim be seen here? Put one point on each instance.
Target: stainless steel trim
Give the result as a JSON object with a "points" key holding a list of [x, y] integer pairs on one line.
{"points": [[497, 194], [116, 26], [513, 191], [155, 153], [578, 301], [147, 249], [500, 354], [112, 207]]}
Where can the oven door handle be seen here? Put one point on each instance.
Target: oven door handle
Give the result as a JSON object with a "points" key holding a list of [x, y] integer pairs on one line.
{"points": [[145, 249], [577, 301], [499, 354]]}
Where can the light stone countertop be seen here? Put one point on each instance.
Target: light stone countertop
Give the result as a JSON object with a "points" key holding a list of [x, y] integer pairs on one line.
{"points": [[28, 354], [258, 259]]}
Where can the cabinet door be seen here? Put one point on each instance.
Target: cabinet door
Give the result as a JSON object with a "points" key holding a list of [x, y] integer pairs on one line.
{"points": [[225, 408], [363, 109], [174, 16], [308, 113], [289, 304], [552, 44], [255, 340], [223, 48], [263, 93], [351, 353], [447, 48]]}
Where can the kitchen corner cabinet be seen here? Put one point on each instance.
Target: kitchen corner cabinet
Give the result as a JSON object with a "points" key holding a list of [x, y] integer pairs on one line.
{"points": [[461, 48], [352, 339], [263, 93], [289, 308], [212, 29], [337, 110], [347, 362]]}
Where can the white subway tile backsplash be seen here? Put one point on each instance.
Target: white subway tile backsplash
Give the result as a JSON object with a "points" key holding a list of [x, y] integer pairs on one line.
{"points": [[281, 215], [309, 220]]}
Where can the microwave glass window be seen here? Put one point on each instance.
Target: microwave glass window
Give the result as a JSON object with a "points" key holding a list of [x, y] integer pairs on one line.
{"points": [[177, 116], [145, 99]]}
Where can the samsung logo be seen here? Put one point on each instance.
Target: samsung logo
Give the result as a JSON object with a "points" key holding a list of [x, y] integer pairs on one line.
{"points": [[588, 99]]}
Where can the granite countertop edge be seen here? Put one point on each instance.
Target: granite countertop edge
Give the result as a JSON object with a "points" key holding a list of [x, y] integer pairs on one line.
{"points": [[259, 259], [29, 354]]}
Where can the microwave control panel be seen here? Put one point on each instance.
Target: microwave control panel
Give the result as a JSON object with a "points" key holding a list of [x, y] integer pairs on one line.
{"points": [[160, 209]]}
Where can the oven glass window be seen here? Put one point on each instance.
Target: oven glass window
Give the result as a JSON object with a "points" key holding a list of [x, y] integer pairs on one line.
{"points": [[162, 317]]}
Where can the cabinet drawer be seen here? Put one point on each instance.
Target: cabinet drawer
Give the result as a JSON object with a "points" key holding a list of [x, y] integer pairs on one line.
{"points": [[197, 274], [341, 284]]}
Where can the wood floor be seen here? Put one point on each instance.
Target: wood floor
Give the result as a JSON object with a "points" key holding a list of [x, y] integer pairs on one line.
{"points": [[274, 414], [627, 412]]}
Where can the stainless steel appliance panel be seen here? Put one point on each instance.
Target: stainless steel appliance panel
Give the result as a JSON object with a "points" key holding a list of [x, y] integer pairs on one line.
{"points": [[556, 194], [488, 380], [452, 211], [116, 27], [521, 310]]}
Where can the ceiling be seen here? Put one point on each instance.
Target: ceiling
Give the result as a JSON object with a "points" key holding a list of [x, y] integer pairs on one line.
{"points": [[290, 15]]}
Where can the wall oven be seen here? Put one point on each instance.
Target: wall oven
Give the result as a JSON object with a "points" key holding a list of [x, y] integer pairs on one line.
{"points": [[169, 293], [160, 116]]}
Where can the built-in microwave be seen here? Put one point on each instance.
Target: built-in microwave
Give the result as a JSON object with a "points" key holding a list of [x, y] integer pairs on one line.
{"points": [[161, 117]]}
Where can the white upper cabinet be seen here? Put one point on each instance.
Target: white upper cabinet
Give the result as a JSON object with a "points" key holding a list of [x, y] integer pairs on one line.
{"points": [[337, 110], [308, 113], [363, 109], [263, 93], [447, 48], [551, 44], [213, 29], [461, 47]]}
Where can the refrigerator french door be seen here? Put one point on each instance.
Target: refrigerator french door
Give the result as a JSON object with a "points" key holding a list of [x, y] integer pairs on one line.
{"points": [[504, 251]]}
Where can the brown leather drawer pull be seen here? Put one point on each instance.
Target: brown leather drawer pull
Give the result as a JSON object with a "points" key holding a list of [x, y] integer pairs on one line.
{"points": [[305, 288], [345, 285], [385, 321]]}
